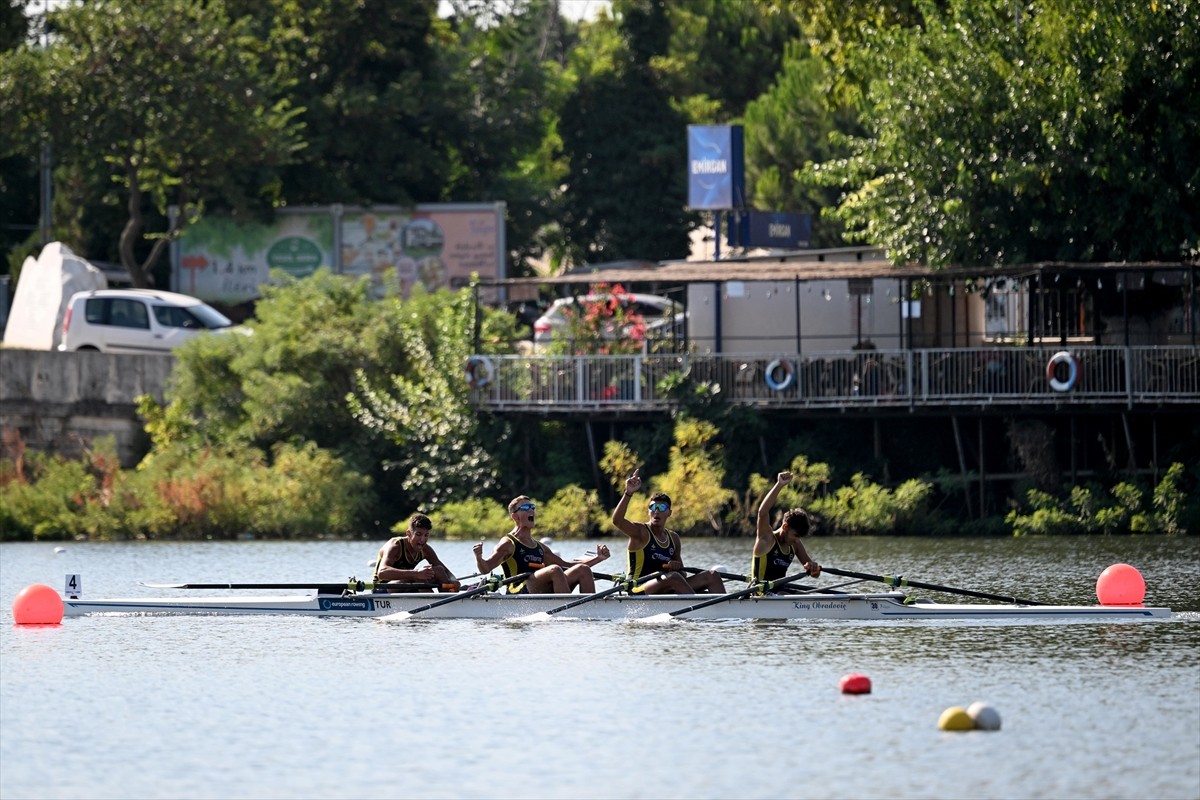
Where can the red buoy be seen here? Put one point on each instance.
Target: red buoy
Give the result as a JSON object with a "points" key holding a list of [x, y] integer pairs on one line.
{"points": [[1120, 585], [37, 604], [854, 683]]}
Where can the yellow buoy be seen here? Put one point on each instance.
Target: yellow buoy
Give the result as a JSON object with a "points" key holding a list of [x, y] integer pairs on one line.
{"points": [[956, 718]]}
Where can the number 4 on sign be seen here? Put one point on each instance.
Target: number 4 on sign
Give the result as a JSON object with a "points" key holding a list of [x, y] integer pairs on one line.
{"points": [[74, 586]]}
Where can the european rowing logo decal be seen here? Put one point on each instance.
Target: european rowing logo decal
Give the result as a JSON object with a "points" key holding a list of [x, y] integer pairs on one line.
{"points": [[347, 604]]}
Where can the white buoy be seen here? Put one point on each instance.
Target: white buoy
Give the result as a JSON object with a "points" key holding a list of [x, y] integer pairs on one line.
{"points": [[60, 550], [986, 718]]}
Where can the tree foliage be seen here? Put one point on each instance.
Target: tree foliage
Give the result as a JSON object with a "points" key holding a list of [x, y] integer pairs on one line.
{"points": [[1061, 133], [377, 108], [118, 89], [425, 412], [626, 146]]}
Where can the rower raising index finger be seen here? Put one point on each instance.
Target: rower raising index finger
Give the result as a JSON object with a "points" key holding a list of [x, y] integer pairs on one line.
{"points": [[633, 482]]}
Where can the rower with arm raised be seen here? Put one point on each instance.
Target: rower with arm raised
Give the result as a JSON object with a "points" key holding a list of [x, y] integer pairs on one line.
{"points": [[654, 547], [774, 548]]}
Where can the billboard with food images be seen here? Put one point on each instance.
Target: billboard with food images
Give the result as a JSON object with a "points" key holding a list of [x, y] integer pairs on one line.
{"points": [[436, 246]]}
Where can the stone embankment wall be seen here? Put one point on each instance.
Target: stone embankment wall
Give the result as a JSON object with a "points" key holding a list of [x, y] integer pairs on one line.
{"points": [[59, 402]]}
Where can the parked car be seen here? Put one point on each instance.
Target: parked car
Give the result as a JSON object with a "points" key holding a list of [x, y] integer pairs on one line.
{"points": [[136, 321], [663, 317]]}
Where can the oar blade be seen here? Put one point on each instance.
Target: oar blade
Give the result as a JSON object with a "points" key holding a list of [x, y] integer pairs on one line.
{"points": [[539, 616], [399, 616], [656, 619]]}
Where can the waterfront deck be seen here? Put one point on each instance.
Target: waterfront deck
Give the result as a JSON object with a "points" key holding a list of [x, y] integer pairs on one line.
{"points": [[1104, 377]]}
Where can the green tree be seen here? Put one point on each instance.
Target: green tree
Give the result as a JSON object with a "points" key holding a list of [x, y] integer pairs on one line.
{"points": [[505, 65], [18, 161], [789, 127], [378, 115], [1063, 133], [425, 412], [626, 145], [724, 54], [695, 477], [120, 89]]}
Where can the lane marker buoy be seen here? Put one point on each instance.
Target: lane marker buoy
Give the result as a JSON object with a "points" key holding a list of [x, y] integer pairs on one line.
{"points": [[1120, 585], [956, 718], [984, 716], [855, 683], [37, 604]]}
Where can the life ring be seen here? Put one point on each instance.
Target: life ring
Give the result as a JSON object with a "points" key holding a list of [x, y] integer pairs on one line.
{"points": [[480, 371], [1062, 357], [780, 365]]}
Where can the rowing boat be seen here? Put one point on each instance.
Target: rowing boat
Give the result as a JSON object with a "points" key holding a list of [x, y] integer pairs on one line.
{"points": [[821, 606]]}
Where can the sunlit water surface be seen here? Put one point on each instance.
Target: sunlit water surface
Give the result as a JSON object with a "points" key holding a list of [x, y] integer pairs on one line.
{"points": [[225, 707]]}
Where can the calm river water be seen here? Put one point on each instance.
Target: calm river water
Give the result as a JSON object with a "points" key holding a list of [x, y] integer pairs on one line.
{"points": [[230, 707]]}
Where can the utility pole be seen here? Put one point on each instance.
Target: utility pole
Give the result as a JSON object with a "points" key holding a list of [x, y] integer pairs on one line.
{"points": [[46, 193]]}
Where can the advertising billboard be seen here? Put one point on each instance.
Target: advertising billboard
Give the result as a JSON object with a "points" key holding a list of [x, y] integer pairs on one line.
{"points": [[437, 246], [716, 171], [779, 230]]}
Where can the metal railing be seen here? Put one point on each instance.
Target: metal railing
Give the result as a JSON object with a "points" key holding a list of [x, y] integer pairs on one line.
{"points": [[1022, 376]]}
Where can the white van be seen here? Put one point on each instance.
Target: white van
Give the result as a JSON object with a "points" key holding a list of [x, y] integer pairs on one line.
{"points": [[136, 321]]}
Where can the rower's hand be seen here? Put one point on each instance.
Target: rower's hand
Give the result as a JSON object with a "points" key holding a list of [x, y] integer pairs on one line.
{"points": [[477, 549], [673, 566], [601, 552], [813, 568], [633, 482], [425, 574], [784, 478]]}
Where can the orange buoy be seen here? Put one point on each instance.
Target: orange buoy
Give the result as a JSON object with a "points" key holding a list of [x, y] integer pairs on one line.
{"points": [[854, 683], [37, 604], [1120, 585]]}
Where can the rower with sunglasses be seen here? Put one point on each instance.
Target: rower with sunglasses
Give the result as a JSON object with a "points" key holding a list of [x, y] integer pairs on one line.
{"points": [[519, 552], [653, 547]]}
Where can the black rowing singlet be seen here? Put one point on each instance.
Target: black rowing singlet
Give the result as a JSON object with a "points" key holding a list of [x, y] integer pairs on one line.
{"points": [[405, 561], [651, 557], [523, 559], [772, 565]]}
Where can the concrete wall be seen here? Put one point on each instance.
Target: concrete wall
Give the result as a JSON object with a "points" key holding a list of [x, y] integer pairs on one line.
{"points": [[60, 401]]}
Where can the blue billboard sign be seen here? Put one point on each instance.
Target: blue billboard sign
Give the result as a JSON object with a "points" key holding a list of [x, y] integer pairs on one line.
{"points": [[716, 170], [782, 230]]}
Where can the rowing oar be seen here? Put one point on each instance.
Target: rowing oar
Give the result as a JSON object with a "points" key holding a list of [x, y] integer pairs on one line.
{"points": [[733, 576], [896, 580], [729, 576], [350, 586], [758, 588], [625, 585], [489, 585]]}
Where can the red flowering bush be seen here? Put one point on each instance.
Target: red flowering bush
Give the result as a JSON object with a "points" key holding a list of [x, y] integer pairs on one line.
{"points": [[602, 323]]}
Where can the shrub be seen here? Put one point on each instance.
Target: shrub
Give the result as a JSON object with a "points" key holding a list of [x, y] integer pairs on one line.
{"points": [[478, 518]]}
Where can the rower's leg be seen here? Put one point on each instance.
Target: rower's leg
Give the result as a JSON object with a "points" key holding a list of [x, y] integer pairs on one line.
{"points": [[581, 575], [548, 580], [671, 583], [706, 582]]}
